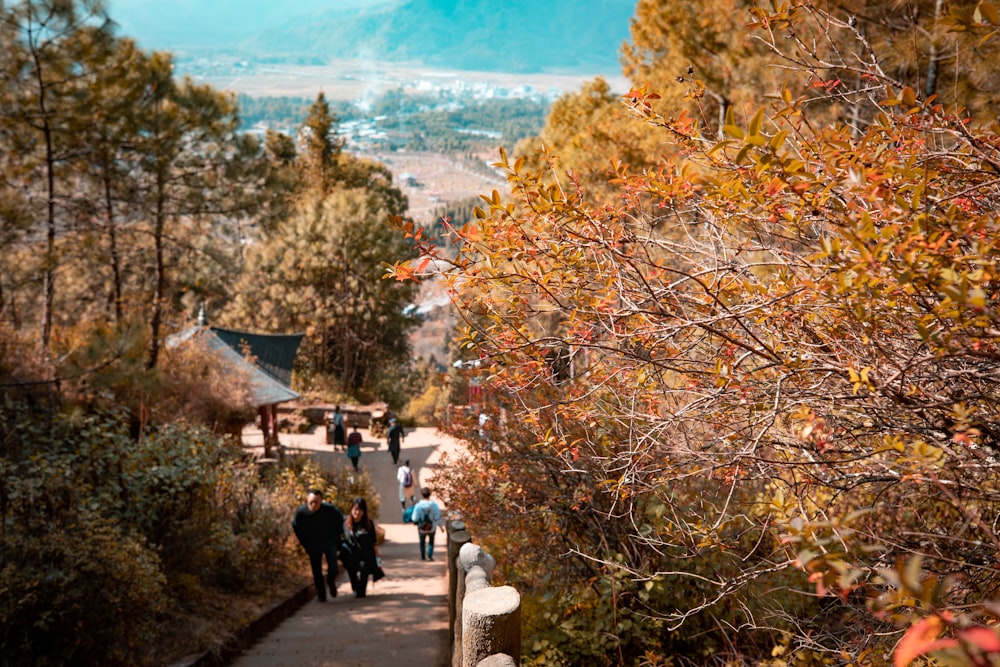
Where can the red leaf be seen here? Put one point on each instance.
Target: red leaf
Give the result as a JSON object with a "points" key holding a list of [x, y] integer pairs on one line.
{"points": [[921, 639], [983, 638]]}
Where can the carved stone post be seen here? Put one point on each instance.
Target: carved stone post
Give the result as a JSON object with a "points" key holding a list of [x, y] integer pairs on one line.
{"points": [[457, 536], [491, 623]]}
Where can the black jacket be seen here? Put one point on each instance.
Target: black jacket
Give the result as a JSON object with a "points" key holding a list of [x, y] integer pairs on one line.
{"points": [[318, 529]]}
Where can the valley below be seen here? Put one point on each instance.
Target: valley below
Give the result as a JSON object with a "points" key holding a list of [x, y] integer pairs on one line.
{"points": [[356, 79]]}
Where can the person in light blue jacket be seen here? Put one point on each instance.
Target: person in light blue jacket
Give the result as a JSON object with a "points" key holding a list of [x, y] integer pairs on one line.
{"points": [[427, 516]]}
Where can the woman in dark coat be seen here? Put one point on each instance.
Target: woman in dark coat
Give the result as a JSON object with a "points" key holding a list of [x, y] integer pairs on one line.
{"points": [[360, 543]]}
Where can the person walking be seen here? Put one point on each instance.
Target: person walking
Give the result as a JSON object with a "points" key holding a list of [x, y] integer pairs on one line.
{"points": [[404, 475], [337, 425], [319, 527], [354, 446], [395, 437], [361, 553], [427, 516]]}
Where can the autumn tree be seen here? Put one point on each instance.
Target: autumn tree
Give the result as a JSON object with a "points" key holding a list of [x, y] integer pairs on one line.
{"points": [[320, 147], [118, 179], [690, 51], [50, 50], [751, 407], [318, 269], [585, 133], [321, 273]]}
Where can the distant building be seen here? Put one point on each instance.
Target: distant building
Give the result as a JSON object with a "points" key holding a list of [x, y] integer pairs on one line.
{"points": [[267, 359], [409, 180]]}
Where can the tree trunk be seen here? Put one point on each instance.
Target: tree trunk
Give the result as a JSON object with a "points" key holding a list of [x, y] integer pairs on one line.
{"points": [[934, 57], [49, 266], [159, 289], [115, 294]]}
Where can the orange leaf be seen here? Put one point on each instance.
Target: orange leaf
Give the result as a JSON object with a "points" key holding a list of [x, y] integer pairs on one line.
{"points": [[921, 639]]}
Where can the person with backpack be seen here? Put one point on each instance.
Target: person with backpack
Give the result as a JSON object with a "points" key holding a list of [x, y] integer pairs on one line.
{"points": [[427, 516], [404, 475]]}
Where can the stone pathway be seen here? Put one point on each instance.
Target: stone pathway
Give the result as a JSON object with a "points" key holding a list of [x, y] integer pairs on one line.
{"points": [[404, 618]]}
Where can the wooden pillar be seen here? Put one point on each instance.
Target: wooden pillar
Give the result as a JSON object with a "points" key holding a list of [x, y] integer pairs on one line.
{"points": [[264, 429], [269, 428]]}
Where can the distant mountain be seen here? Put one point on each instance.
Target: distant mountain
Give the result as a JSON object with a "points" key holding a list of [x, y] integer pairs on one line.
{"points": [[508, 36]]}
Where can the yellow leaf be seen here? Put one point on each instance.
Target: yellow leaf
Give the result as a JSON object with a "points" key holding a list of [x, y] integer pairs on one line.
{"points": [[733, 131], [755, 123]]}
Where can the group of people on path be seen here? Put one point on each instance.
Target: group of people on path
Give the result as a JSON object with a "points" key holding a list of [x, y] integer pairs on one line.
{"points": [[351, 442], [324, 532]]}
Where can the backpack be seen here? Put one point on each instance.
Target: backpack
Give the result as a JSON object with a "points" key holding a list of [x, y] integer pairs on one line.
{"points": [[426, 523], [407, 478], [408, 514]]}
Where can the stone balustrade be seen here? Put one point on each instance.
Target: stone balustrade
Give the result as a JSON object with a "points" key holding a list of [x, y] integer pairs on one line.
{"points": [[485, 620]]}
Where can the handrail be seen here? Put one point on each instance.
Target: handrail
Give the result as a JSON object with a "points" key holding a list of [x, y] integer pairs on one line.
{"points": [[484, 620]]}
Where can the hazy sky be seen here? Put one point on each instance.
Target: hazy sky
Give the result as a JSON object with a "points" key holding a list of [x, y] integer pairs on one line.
{"points": [[156, 24]]}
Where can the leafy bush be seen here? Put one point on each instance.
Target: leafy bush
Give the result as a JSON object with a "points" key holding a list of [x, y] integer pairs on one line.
{"points": [[106, 536], [429, 403], [339, 488], [82, 592], [106, 365]]}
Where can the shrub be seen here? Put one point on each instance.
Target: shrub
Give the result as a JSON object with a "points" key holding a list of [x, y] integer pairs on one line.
{"points": [[82, 592], [105, 534], [340, 487]]}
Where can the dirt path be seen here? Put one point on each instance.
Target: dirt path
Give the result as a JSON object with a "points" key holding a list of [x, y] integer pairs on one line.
{"points": [[404, 620]]}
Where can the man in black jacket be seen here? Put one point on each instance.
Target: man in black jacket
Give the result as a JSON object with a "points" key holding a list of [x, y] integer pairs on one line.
{"points": [[320, 529]]}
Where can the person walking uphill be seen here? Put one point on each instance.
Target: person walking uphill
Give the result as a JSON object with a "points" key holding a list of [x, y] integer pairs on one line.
{"points": [[404, 475], [395, 437], [319, 526], [427, 516], [360, 548], [354, 446]]}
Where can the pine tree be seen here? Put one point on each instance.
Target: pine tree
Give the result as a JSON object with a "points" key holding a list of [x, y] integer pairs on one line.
{"points": [[50, 51], [320, 147], [321, 272]]}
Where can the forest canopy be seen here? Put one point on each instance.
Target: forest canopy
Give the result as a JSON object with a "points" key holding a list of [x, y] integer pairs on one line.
{"points": [[740, 333], [128, 198]]}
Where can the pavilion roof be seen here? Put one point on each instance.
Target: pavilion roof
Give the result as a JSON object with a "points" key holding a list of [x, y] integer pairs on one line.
{"points": [[267, 358]]}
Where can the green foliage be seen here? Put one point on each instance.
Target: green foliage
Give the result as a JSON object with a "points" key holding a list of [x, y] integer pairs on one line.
{"points": [[424, 122], [397, 385], [469, 127], [107, 534], [285, 112], [428, 402], [339, 488], [84, 592], [321, 273]]}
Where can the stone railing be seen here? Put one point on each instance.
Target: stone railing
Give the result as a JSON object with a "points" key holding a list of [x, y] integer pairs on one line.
{"points": [[485, 620]]}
